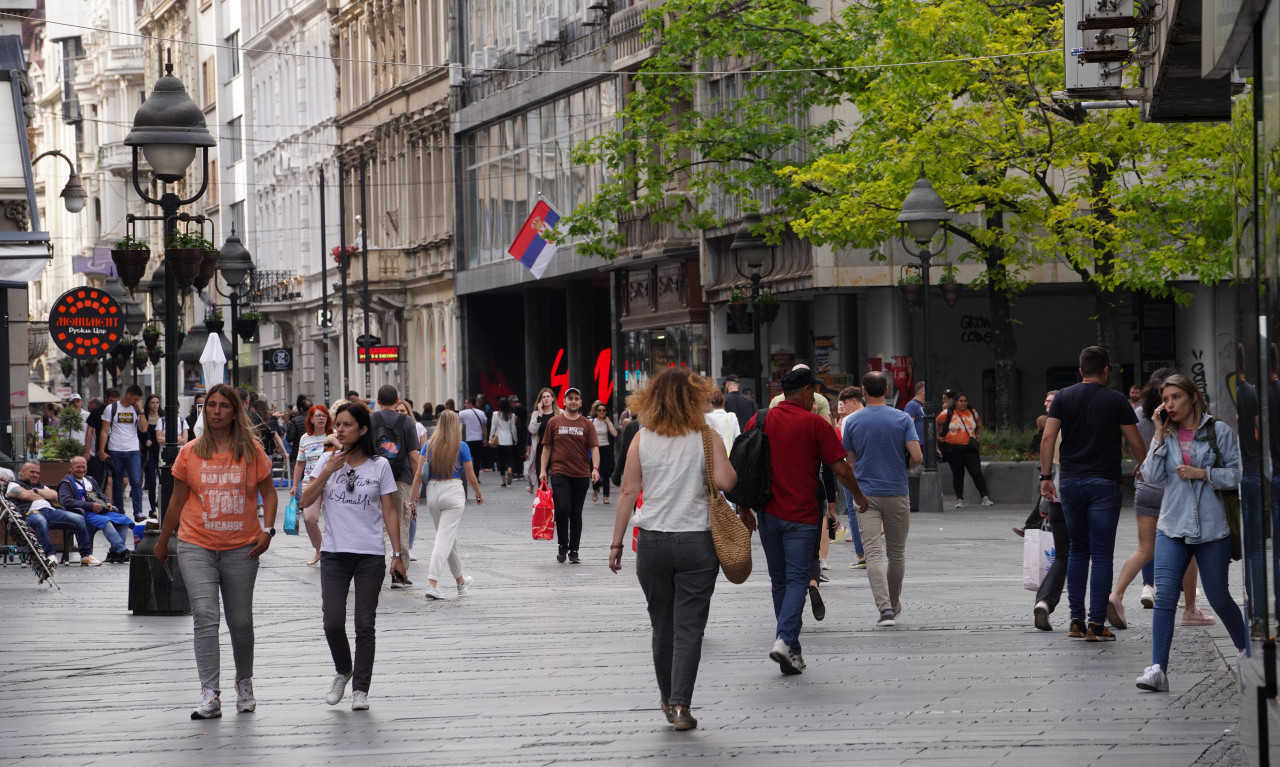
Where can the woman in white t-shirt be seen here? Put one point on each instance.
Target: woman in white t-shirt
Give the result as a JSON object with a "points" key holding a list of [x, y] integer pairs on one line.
{"points": [[721, 421], [317, 441], [504, 436], [356, 488]]}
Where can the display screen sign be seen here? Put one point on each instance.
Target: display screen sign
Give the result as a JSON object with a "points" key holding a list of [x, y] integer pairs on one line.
{"points": [[86, 323], [378, 353]]}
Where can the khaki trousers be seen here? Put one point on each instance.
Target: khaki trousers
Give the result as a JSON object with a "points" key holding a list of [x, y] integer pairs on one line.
{"points": [[884, 528]]}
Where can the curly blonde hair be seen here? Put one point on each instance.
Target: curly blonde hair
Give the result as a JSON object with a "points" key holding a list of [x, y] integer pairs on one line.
{"points": [[673, 402]]}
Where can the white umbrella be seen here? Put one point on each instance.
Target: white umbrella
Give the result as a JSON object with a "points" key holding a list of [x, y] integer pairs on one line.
{"points": [[213, 361]]}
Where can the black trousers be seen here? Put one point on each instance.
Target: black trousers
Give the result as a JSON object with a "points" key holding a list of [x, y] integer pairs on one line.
{"points": [[570, 494], [677, 572], [606, 469], [1050, 591], [478, 457], [506, 458], [337, 572], [962, 458]]}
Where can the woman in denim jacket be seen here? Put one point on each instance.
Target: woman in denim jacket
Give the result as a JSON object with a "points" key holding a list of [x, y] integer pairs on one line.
{"points": [[1192, 519]]}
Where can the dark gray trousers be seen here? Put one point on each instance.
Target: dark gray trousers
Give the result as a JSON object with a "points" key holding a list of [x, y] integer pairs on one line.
{"points": [[677, 572], [337, 571], [1050, 591]]}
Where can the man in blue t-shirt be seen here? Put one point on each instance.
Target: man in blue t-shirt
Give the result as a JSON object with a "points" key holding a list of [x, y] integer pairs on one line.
{"points": [[882, 444], [915, 409]]}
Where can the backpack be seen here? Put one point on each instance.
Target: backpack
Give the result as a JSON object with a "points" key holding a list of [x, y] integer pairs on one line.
{"points": [[388, 443], [750, 459]]}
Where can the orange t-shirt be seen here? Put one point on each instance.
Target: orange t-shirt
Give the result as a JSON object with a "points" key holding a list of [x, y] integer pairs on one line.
{"points": [[961, 428], [221, 512]]}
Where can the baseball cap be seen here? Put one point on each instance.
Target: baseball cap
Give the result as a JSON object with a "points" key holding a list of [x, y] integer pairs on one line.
{"points": [[798, 379], [75, 397], [731, 377], [573, 390]]}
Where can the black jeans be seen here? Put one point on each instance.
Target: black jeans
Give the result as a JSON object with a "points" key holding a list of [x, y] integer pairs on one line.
{"points": [[151, 476], [1050, 591], [477, 457], [570, 494], [962, 457], [606, 470], [337, 571], [677, 572]]}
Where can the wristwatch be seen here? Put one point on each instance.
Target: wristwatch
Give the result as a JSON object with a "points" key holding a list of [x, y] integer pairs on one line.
{"points": [[1046, 477], [397, 556], [271, 531]]}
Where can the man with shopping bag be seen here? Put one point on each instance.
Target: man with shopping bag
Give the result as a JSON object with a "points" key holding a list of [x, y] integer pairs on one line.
{"points": [[544, 514]]}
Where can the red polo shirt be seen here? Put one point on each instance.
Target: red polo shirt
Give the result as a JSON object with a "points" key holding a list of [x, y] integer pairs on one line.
{"points": [[798, 442]]}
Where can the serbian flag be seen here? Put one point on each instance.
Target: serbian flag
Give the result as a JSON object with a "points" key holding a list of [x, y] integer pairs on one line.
{"points": [[529, 248]]}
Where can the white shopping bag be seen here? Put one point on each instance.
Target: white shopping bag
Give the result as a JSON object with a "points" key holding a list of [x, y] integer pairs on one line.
{"points": [[1037, 557]]}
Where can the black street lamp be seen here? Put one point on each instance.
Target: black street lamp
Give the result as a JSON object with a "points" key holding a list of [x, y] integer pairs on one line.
{"points": [[168, 129], [923, 214], [73, 194], [236, 265], [751, 251]]}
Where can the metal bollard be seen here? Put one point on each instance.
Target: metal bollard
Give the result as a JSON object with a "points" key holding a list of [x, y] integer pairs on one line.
{"points": [[154, 588]]}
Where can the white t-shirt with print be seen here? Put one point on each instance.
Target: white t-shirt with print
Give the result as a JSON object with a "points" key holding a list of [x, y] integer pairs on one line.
{"points": [[310, 448], [123, 434], [353, 520]]}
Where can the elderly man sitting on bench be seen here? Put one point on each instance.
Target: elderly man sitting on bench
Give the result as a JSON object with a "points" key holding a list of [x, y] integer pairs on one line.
{"points": [[34, 502], [79, 493]]}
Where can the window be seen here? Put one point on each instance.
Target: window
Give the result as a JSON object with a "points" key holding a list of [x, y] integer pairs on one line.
{"points": [[209, 82], [235, 151], [233, 54], [235, 218], [211, 199]]}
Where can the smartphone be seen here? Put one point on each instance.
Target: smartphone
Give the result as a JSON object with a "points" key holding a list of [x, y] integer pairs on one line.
{"points": [[1163, 415]]}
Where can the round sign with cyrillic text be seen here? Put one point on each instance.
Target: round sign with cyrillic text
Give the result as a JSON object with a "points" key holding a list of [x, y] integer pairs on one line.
{"points": [[86, 323]]}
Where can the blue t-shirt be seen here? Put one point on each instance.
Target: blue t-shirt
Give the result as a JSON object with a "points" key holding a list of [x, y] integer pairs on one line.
{"points": [[464, 456], [914, 409], [878, 437]]}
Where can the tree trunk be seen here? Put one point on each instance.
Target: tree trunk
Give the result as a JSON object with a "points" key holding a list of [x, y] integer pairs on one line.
{"points": [[1106, 313], [1007, 413]]}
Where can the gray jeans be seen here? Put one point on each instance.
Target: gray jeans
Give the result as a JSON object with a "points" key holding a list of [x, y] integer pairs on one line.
{"points": [[677, 573], [232, 574]]}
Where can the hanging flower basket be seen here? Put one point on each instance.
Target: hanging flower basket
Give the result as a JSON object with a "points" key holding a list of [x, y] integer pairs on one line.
{"points": [[342, 255], [767, 311], [215, 323], [738, 311], [912, 294], [185, 264], [89, 367], [131, 262], [155, 355], [208, 269], [151, 337], [950, 292], [68, 366], [247, 328], [139, 359]]}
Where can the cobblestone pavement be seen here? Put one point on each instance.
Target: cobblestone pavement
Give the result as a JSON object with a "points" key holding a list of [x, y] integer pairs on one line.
{"points": [[545, 663]]}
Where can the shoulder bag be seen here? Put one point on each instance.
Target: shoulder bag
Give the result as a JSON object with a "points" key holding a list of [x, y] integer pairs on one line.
{"points": [[732, 539], [1230, 498]]}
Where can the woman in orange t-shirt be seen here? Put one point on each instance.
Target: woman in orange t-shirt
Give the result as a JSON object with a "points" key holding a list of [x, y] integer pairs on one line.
{"points": [[216, 481], [962, 431]]}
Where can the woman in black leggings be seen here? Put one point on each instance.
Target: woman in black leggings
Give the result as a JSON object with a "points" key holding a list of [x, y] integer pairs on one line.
{"points": [[961, 428]]}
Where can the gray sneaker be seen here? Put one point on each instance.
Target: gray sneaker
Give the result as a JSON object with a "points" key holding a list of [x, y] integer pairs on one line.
{"points": [[886, 618], [337, 689], [210, 706], [1154, 679], [245, 702], [359, 700]]}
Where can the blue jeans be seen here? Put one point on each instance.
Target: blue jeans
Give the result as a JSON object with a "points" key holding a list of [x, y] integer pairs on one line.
{"points": [[853, 522], [788, 549], [1091, 506], [126, 463], [40, 522], [117, 529], [1172, 557]]}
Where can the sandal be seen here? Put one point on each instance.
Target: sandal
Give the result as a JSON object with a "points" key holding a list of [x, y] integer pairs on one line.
{"points": [[1197, 617], [312, 562]]}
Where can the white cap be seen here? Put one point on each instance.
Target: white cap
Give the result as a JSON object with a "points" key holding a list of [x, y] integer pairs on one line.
{"points": [[75, 397]]}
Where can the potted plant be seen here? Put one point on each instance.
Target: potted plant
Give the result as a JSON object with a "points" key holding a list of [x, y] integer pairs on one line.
{"points": [[122, 352], [184, 253], [59, 448], [130, 257], [911, 286], [342, 255], [208, 270], [214, 322], [767, 306], [68, 366], [155, 355], [949, 286], [738, 305], [151, 337], [247, 325]]}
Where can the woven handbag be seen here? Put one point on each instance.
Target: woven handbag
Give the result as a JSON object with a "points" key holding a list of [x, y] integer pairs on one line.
{"points": [[732, 538]]}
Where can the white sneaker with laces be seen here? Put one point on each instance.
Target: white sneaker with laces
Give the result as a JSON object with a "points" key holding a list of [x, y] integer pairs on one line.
{"points": [[1148, 597], [986, 501], [412, 558], [359, 700], [1154, 679], [960, 504], [210, 706], [337, 689], [245, 702], [433, 592], [465, 586], [822, 563], [90, 561]]}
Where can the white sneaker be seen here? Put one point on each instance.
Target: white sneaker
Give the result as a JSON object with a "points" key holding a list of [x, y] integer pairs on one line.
{"points": [[822, 563], [210, 706], [337, 689], [1041, 613], [960, 504], [245, 702], [90, 561], [359, 700], [465, 586], [986, 501], [790, 663], [412, 558], [52, 559], [1154, 679], [433, 592], [1148, 597]]}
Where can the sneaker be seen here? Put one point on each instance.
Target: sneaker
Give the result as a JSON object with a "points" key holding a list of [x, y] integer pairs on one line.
{"points": [[1148, 597], [782, 655], [52, 559], [595, 496], [1078, 628], [561, 557], [465, 586], [433, 592], [886, 618], [960, 504], [245, 702], [337, 689], [861, 564], [573, 558], [816, 603], [412, 558], [210, 706], [822, 563], [359, 700], [986, 501], [1197, 617], [1041, 612], [897, 610], [90, 561], [822, 578], [1098, 632], [1154, 679]]}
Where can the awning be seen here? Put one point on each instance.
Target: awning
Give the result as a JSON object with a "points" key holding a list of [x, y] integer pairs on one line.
{"points": [[38, 395], [23, 262]]}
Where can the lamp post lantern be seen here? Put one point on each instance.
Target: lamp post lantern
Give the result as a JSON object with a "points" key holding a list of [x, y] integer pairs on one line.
{"points": [[750, 252], [73, 194], [236, 265], [923, 214]]}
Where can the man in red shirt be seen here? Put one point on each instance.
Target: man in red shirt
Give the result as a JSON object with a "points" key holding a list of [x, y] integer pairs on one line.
{"points": [[789, 526]]}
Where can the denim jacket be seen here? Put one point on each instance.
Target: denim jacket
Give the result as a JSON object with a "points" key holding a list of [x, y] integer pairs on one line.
{"points": [[1191, 510]]}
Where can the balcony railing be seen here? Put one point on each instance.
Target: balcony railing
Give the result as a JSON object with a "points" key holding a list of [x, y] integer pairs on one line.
{"points": [[124, 59]]}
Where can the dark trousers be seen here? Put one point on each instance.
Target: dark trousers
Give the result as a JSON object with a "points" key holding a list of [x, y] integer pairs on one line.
{"points": [[151, 476], [477, 456], [1050, 591], [506, 458], [677, 572], [337, 571], [98, 470], [962, 458], [606, 470], [570, 493]]}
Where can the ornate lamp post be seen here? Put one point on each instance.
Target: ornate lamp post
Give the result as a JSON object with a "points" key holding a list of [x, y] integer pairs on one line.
{"points": [[923, 214], [750, 252], [73, 194], [235, 264]]}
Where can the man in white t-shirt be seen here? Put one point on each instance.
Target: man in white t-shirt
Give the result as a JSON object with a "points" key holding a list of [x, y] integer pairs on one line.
{"points": [[119, 447]]}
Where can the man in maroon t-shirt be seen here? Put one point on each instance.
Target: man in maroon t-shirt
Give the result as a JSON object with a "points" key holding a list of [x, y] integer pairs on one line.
{"points": [[798, 442], [571, 461]]}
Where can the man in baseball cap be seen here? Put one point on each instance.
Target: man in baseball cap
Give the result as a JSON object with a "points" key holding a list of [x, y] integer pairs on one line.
{"points": [[571, 462], [736, 402], [78, 433]]}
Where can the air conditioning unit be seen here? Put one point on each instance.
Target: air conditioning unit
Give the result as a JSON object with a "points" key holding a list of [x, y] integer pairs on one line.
{"points": [[477, 64], [590, 16], [491, 57], [524, 43], [598, 5], [549, 31], [457, 77]]}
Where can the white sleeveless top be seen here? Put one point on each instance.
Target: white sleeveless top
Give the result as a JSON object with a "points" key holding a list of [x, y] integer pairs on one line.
{"points": [[674, 483]]}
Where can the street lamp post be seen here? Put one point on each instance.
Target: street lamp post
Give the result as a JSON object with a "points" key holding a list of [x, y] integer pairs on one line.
{"points": [[923, 214], [235, 264], [73, 194], [168, 129], [750, 251]]}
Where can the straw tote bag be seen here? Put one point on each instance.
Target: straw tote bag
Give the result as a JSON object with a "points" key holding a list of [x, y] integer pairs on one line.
{"points": [[732, 538]]}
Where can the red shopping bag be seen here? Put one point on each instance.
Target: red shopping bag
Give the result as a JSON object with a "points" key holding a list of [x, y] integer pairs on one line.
{"points": [[544, 514], [635, 529]]}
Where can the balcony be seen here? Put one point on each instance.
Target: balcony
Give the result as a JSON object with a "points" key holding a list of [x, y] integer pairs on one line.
{"points": [[632, 43], [123, 60], [117, 158]]}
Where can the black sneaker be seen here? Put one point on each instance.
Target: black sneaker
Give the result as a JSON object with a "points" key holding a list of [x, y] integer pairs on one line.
{"points": [[560, 557], [816, 603], [573, 558], [1078, 628]]}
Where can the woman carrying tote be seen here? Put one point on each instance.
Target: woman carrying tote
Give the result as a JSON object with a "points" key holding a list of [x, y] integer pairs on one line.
{"points": [[1194, 465], [216, 482], [675, 559], [503, 437], [356, 488], [448, 460]]}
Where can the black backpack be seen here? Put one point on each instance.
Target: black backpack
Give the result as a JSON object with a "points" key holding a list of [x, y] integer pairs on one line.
{"points": [[750, 459], [387, 441]]}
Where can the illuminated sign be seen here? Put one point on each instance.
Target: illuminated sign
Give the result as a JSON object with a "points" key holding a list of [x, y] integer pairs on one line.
{"points": [[378, 353], [86, 323]]}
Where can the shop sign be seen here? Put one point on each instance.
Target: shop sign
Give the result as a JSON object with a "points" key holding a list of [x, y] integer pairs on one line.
{"points": [[377, 354], [86, 323], [277, 360]]}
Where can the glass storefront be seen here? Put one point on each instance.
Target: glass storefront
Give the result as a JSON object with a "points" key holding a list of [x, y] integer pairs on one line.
{"points": [[648, 351]]}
